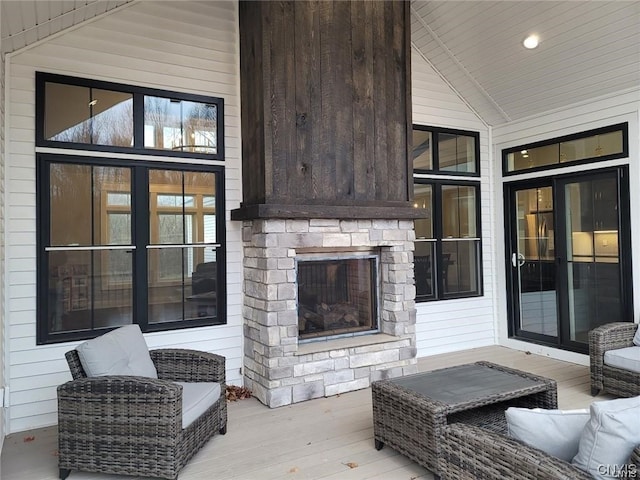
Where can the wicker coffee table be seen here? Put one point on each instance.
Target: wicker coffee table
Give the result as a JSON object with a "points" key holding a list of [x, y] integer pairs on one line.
{"points": [[409, 413]]}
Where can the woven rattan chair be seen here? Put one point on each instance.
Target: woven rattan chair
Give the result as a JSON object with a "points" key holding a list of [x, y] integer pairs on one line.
{"points": [[605, 378], [133, 425], [470, 452]]}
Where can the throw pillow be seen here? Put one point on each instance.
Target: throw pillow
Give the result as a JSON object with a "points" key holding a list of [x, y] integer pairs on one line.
{"points": [[122, 351], [611, 434], [556, 432], [636, 337]]}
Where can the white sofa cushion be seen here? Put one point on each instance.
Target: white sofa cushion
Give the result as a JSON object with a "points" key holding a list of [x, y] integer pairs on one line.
{"points": [[625, 358], [556, 432], [609, 437], [636, 338], [122, 351], [196, 399]]}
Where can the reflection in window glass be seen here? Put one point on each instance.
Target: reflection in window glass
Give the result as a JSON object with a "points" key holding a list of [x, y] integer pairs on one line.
{"points": [[458, 211], [180, 125], [589, 146], [423, 261], [422, 152], [456, 153], [88, 115], [423, 198], [460, 267]]}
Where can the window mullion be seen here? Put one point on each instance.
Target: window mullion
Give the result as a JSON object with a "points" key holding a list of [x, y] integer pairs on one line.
{"points": [[141, 237]]}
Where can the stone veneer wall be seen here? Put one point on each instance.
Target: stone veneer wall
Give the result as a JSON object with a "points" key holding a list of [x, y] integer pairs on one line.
{"points": [[277, 370]]}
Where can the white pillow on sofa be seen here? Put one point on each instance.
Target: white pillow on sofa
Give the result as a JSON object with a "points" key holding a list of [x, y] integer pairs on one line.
{"points": [[122, 351], [556, 432], [609, 437]]}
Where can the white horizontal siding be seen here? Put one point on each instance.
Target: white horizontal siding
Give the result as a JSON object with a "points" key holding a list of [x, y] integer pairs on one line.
{"points": [[3, 336], [181, 46], [598, 112], [451, 325]]}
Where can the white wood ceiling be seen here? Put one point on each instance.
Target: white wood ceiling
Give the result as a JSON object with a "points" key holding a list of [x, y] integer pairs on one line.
{"points": [[588, 49], [26, 21]]}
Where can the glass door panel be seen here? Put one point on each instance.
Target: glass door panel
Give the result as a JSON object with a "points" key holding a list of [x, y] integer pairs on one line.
{"points": [[181, 255], [593, 255], [533, 261]]}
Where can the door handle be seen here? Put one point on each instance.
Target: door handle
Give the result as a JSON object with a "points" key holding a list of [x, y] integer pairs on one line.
{"points": [[517, 259]]}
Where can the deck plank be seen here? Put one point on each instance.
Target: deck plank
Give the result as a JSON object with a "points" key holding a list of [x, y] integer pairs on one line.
{"points": [[317, 439]]}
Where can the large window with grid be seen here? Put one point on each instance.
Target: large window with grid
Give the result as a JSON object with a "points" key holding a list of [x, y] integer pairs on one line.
{"points": [[447, 257], [121, 239]]}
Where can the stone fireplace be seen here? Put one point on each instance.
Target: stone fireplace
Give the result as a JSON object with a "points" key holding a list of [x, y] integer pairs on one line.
{"points": [[279, 368], [326, 183]]}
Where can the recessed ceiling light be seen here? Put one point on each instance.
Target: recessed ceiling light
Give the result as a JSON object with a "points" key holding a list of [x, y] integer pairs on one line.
{"points": [[531, 41]]}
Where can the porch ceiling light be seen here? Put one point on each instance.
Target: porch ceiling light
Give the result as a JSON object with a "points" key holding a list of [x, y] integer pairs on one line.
{"points": [[531, 41]]}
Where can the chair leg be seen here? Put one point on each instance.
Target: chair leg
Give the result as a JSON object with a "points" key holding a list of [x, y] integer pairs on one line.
{"points": [[594, 391], [378, 444], [64, 473], [223, 430]]}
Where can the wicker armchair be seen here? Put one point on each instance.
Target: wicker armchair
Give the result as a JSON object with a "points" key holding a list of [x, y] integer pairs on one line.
{"points": [[470, 452], [133, 425], [604, 378]]}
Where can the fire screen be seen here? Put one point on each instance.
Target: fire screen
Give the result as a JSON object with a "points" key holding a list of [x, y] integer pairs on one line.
{"points": [[336, 296]]}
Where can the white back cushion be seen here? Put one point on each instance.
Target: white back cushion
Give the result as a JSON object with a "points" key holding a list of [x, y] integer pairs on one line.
{"points": [[609, 437], [556, 432], [122, 351], [636, 338]]}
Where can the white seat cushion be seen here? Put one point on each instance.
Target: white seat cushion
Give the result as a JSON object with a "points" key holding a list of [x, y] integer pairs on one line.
{"points": [[196, 399], [609, 437], [122, 351], [556, 432], [625, 358]]}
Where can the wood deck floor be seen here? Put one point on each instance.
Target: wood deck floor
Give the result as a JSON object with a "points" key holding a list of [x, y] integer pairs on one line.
{"points": [[328, 438]]}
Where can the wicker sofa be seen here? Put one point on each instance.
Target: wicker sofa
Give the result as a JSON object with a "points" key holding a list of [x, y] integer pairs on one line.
{"points": [[470, 452], [604, 378], [133, 425]]}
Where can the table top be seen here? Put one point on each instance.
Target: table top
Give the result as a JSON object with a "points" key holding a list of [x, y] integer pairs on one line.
{"points": [[469, 382]]}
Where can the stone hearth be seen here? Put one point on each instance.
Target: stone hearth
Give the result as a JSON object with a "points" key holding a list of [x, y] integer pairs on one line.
{"points": [[277, 368]]}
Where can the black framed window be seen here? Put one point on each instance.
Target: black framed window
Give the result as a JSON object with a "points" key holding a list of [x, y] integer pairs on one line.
{"points": [[86, 114], [123, 242], [446, 151], [596, 145], [447, 257]]}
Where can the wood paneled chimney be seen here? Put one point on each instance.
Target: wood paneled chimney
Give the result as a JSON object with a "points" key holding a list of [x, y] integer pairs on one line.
{"points": [[326, 110]]}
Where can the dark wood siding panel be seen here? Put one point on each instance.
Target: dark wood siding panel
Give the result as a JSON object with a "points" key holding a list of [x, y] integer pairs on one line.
{"points": [[252, 93], [396, 127], [380, 52], [362, 41], [305, 180], [342, 100], [282, 99]]}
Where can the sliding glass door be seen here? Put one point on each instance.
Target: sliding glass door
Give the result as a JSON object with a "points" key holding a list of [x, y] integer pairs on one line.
{"points": [[568, 256]]}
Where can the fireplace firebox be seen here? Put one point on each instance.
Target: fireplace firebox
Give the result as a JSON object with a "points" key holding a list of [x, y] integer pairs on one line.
{"points": [[337, 296]]}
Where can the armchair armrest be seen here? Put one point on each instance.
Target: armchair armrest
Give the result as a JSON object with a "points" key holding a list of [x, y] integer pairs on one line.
{"points": [[610, 336], [126, 406], [183, 365], [473, 452]]}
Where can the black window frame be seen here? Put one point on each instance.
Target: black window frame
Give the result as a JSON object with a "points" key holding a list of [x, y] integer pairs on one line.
{"points": [[435, 132], [138, 94], [140, 232], [431, 177], [624, 127]]}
